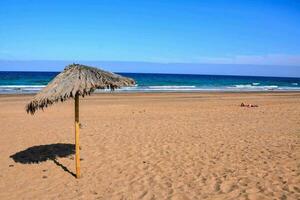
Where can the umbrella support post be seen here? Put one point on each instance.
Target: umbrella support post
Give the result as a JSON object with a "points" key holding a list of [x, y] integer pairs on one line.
{"points": [[77, 156]]}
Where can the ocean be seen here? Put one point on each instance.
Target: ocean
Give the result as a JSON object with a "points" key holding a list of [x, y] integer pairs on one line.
{"points": [[32, 82]]}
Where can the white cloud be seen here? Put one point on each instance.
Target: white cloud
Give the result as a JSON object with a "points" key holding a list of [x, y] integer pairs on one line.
{"points": [[271, 59]]}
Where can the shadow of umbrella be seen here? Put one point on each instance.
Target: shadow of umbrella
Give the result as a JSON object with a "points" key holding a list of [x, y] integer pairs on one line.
{"points": [[42, 153]]}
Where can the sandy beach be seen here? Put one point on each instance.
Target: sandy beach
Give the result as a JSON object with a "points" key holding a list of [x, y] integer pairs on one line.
{"points": [[154, 146]]}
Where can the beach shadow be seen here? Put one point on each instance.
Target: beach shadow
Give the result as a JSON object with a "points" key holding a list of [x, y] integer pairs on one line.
{"points": [[42, 153]]}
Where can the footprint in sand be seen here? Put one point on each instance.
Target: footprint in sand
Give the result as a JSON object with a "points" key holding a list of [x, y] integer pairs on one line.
{"points": [[227, 186]]}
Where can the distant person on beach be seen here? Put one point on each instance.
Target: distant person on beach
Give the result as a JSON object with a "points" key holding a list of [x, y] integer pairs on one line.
{"points": [[248, 105]]}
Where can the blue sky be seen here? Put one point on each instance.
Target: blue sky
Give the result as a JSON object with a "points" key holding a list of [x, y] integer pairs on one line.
{"points": [[219, 32]]}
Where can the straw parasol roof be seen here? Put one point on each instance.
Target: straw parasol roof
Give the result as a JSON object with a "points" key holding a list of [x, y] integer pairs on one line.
{"points": [[75, 80]]}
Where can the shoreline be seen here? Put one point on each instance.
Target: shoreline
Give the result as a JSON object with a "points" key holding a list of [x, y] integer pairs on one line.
{"points": [[213, 90], [167, 92]]}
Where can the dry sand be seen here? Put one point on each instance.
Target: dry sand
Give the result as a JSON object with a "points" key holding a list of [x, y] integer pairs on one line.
{"points": [[155, 146]]}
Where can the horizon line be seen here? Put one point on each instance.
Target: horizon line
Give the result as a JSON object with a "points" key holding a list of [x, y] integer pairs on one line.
{"points": [[148, 62], [196, 74]]}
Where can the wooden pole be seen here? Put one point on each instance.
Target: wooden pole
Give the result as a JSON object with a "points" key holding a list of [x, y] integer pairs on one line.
{"points": [[77, 156]]}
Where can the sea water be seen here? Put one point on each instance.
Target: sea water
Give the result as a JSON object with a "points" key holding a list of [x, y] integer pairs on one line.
{"points": [[32, 82]]}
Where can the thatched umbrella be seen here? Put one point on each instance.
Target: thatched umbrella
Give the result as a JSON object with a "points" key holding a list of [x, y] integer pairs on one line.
{"points": [[76, 80]]}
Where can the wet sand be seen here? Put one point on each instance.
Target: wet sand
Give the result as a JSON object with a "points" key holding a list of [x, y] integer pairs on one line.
{"points": [[154, 146]]}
